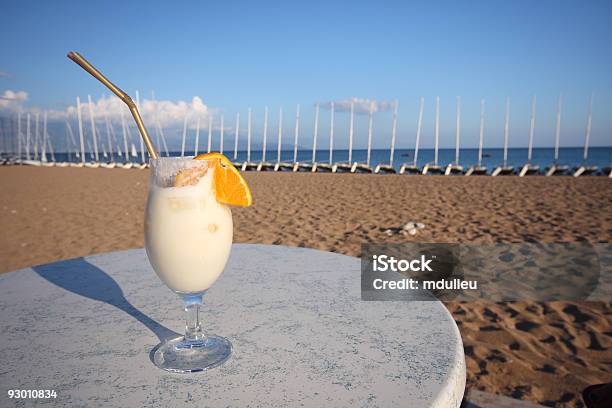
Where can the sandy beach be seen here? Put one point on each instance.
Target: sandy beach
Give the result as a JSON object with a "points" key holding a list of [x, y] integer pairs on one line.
{"points": [[541, 352]]}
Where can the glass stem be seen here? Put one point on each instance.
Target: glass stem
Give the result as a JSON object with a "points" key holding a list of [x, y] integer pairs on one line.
{"points": [[193, 327]]}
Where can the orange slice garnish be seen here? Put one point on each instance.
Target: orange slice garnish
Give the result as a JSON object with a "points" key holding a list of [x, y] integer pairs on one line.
{"points": [[230, 187]]}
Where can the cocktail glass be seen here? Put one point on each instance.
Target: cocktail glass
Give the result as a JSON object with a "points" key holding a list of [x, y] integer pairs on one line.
{"points": [[188, 237]]}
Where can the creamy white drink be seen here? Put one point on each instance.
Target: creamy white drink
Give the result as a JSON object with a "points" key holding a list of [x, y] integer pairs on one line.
{"points": [[188, 235]]}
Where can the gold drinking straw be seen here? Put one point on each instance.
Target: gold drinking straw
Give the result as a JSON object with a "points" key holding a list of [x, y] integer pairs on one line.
{"points": [[76, 57]]}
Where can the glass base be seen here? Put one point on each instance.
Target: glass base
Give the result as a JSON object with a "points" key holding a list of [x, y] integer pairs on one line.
{"points": [[180, 356]]}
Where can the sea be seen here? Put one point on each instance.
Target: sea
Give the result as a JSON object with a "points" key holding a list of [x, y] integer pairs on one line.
{"points": [[492, 157]]}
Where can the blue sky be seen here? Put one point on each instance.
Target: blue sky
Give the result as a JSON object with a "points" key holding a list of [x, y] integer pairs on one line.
{"points": [[240, 54]]}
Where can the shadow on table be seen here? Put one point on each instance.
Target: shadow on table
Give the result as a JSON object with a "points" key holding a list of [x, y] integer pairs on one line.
{"points": [[82, 278]]}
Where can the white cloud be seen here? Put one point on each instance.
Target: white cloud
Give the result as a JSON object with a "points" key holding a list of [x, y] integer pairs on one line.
{"points": [[166, 113], [4, 74], [169, 114], [360, 105], [13, 100]]}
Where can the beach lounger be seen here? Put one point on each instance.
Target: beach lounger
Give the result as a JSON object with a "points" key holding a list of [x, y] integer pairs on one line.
{"points": [[529, 170], [476, 171], [503, 171], [248, 166], [283, 166], [322, 167], [361, 168], [432, 169], [384, 168], [409, 169], [585, 171], [341, 168], [557, 170], [265, 166], [453, 169], [297, 167]]}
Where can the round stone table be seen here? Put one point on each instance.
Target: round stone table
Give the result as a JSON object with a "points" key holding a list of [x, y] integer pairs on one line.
{"points": [[302, 336]]}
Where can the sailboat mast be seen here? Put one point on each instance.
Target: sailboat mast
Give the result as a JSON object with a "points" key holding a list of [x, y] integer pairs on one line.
{"points": [[265, 135], [19, 134], [558, 128], [72, 140], [280, 135], [531, 128], [481, 139], [331, 134], [93, 127], [506, 130], [249, 117], [142, 149], [370, 115], [158, 124], [587, 134], [184, 136], [458, 131], [296, 133], [68, 145], [43, 156], [316, 132], [51, 150], [80, 122], [108, 137], [236, 135], [210, 120], [221, 136], [197, 137], [350, 152], [28, 136], [418, 135], [393, 133], [125, 142], [36, 134], [437, 131]]}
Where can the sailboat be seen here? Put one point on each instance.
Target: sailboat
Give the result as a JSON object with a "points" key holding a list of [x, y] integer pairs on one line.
{"points": [[365, 167], [81, 133], [327, 167], [45, 143], [456, 167], [247, 165], [95, 159], [20, 144], [585, 169], [236, 137], [109, 164], [435, 167], [528, 168], [280, 165], [158, 129], [197, 138], [413, 168], [143, 161], [312, 166], [71, 144], [556, 168], [221, 134], [346, 166], [388, 168], [479, 169], [505, 169], [184, 136], [296, 135], [264, 165], [31, 160], [127, 164]]}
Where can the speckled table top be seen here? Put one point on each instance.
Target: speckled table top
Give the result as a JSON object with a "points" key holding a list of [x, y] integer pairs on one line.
{"points": [[301, 335]]}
